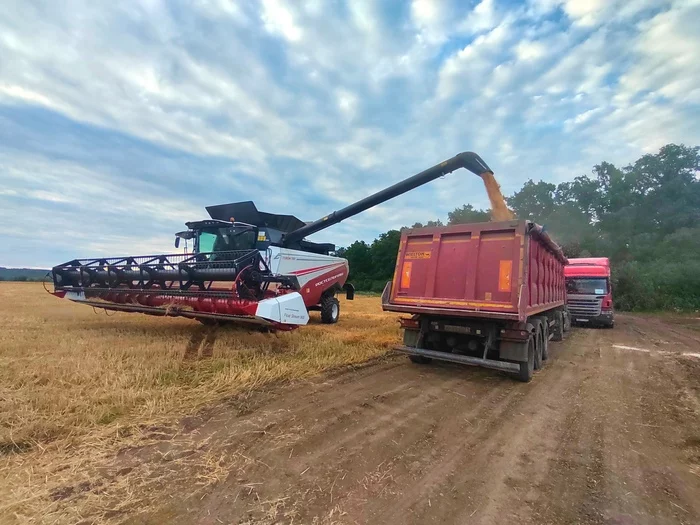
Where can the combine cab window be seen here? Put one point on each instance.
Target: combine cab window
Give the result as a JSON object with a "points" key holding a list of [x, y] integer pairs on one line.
{"points": [[587, 286], [206, 242], [243, 240], [226, 240]]}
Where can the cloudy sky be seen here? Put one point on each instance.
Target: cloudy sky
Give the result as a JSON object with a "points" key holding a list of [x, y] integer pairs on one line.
{"points": [[119, 121]]}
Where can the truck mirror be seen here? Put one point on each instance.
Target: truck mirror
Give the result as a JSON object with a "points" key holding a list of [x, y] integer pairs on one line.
{"points": [[177, 242]]}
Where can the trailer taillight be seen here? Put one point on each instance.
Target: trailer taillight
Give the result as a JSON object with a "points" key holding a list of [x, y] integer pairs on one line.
{"points": [[410, 324]]}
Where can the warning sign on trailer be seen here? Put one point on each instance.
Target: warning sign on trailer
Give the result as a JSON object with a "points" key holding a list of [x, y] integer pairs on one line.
{"points": [[417, 255]]}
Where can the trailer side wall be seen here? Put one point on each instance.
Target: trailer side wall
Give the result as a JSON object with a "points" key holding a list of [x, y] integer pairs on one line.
{"points": [[508, 269]]}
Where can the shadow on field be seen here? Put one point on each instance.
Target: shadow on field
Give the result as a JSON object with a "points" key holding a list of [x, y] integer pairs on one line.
{"points": [[201, 343]]}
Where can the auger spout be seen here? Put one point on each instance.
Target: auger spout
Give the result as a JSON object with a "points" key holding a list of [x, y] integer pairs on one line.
{"points": [[467, 159]]}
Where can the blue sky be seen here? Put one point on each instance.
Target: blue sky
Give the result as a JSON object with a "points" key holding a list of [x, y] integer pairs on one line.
{"points": [[119, 121]]}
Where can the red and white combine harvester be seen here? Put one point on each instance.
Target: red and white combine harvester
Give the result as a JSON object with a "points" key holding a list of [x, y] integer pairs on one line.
{"points": [[247, 266]]}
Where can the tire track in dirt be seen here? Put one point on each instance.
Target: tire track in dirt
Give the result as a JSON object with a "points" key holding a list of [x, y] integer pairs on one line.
{"points": [[347, 442], [601, 435]]}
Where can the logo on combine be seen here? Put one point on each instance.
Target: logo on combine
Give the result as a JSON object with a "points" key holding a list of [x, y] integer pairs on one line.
{"points": [[417, 255], [329, 279]]}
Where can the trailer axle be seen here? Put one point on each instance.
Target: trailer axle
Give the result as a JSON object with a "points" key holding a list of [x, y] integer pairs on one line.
{"points": [[462, 359]]}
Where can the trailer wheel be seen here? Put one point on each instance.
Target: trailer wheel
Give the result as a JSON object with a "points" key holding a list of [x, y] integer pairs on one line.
{"points": [[419, 359], [330, 309], [527, 369], [538, 344], [558, 326], [545, 340], [567, 321]]}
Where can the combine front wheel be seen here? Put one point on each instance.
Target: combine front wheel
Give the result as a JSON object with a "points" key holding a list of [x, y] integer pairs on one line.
{"points": [[330, 309]]}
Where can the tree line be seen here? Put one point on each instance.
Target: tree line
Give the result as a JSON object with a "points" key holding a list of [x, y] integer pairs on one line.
{"points": [[644, 216]]}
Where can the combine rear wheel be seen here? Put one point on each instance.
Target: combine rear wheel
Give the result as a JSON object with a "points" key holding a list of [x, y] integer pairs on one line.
{"points": [[330, 309]]}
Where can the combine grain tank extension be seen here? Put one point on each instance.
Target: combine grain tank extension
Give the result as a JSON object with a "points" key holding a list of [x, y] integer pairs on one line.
{"points": [[246, 265], [488, 294]]}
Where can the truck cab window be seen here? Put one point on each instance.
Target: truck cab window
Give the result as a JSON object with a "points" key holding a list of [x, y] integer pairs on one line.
{"points": [[587, 286]]}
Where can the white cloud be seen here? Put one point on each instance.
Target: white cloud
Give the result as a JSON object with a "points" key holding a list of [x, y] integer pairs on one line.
{"points": [[483, 17], [666, 57], [585, 12], [526, 50], [313, 105], [279, 20]]}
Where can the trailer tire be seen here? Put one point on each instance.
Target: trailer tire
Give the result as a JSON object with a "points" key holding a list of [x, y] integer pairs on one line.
{"points": [[558, 326], [419, 359], [545, 340], [330, 309], [527, 368], [538, 343], [567, 321]]}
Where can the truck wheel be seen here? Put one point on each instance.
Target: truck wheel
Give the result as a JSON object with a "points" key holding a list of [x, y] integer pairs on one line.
{"points": [[419, 359], [545, 340], [567, 321], [539, 333], [330, 309], [528, 367], [558, 326]]}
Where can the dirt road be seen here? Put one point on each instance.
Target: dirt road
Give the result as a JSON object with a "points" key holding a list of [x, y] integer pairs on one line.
{"points": [[608, 432]]}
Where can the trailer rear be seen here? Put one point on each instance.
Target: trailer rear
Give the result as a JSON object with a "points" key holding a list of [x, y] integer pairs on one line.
{"points": [[486, 294]]}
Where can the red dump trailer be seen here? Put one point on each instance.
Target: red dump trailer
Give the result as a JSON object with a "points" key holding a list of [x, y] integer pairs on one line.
{"points": [[486, 294]]}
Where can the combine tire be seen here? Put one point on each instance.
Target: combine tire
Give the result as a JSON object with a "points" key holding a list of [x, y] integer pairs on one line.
{"points": [[330, 309], [558, 326], [528, 367], [419, 359]]}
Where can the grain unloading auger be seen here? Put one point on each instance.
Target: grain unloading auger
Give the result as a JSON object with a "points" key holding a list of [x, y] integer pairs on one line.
{"points": [[246, 265]]}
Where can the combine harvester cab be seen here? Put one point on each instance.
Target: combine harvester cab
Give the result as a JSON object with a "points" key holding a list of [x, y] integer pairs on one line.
{"points": [[246, 265]]}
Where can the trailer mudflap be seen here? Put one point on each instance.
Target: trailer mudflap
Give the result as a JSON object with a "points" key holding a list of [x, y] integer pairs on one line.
{"points": [[513, 351], [457, 358]]}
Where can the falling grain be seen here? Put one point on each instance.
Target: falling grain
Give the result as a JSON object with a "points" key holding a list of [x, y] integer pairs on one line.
{"points": [[499, 209]]}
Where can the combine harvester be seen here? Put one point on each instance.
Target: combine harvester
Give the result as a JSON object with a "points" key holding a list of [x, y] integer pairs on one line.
{"points": [[247, 265]]}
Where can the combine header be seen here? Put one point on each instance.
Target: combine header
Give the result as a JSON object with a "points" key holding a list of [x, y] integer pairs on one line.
{"points": [[246, 265]]}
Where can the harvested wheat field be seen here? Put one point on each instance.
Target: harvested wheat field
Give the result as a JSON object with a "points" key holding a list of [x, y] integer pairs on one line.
{"points": [[77, 385], [139, 420]]}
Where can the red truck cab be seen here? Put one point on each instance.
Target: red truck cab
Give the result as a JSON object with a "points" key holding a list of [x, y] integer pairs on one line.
{"points": [[589, 291]]}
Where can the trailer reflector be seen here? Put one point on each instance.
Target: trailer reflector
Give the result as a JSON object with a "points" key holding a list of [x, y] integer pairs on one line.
{"points": [[505, 271], [406, 274]]}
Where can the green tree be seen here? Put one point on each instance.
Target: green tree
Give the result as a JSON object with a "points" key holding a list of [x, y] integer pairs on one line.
{"points": [[645, 217], [468, 214], [535, 201]]}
